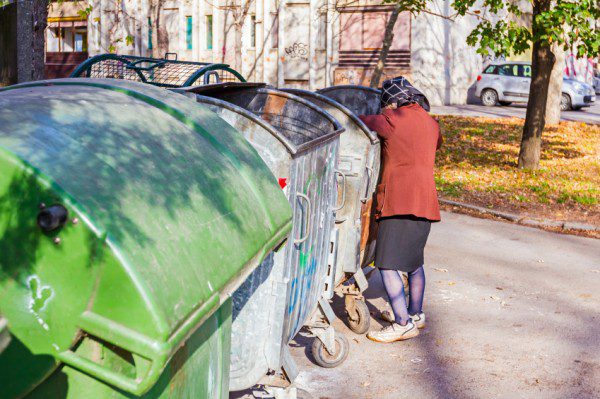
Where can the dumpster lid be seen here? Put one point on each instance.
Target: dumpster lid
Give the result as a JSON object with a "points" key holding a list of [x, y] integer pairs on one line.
{"points": [[122, 151], [331, 102], [362, 100], [163, 72], [298, 123], [347, 95], [289, 146]]}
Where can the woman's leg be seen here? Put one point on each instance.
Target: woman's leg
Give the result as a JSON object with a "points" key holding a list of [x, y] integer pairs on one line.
{"points": [[395, 290], [416, 284]]}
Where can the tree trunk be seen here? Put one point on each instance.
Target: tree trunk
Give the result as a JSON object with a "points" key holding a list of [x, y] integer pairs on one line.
{"points": [[32, 17], [555, 88], [238, 44], [385, 47], [542, 63]]}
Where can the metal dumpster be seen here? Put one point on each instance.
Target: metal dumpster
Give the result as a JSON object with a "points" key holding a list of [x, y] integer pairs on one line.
{"points": [[299, 142], [128, 216], [361, 100], [163, 72], [359, 162]]}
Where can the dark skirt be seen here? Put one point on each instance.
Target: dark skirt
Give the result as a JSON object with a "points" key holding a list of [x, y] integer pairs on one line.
{"points": [[400, 243]]}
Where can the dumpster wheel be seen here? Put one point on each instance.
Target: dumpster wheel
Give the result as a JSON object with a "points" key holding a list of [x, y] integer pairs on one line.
{"points": [[359, 317], [326, 359]]}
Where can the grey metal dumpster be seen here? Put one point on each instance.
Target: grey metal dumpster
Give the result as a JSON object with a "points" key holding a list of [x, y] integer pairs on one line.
{"points": [[359, 162], [128, 216], [299, 142]]}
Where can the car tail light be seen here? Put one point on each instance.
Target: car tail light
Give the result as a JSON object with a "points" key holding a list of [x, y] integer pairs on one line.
{"points": [[478, 78]]}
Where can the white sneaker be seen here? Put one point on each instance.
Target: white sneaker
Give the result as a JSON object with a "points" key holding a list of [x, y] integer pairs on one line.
{"points": [[418, 319], [394, 332]]}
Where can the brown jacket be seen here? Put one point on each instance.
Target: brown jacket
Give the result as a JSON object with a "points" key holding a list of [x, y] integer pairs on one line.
{"points": [[409, 139]]}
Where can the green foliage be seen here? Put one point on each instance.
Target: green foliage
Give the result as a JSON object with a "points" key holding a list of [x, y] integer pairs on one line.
{"points": [[501, 38], [129, 40], [570, 23], [85, 13]]}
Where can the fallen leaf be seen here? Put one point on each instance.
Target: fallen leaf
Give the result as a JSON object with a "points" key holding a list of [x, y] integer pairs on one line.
{"points": [[366, 384], [499, 288], [451, 283]]}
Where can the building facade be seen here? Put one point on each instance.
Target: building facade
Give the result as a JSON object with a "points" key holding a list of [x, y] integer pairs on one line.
{"points": [[66, 38], [295, 43]]}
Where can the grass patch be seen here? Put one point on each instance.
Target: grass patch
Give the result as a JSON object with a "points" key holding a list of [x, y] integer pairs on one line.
{"points": [[478, 160]]}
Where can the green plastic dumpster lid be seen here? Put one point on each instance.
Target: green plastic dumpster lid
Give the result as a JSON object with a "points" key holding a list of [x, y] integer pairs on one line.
{"points": [[185, 206]]}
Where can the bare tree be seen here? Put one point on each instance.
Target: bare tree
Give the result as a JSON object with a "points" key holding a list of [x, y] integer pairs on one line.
{"points": [[388, 38], [238, 12]]}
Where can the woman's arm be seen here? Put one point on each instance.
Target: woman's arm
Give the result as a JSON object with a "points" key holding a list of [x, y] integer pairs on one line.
{"points": [[376, 123]]}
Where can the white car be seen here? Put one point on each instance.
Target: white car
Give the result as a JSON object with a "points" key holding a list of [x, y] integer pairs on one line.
{"points": [[508, 82]]}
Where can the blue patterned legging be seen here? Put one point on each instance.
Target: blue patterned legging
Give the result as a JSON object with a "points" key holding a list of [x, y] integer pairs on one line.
{"points": [[392, 281]]}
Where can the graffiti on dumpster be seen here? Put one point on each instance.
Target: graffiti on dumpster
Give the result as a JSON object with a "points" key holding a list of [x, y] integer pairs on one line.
{"points": [[301, 286]]}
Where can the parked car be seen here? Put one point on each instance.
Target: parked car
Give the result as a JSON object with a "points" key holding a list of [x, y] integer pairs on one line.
{"points": [[597, 82], [508, 82]]}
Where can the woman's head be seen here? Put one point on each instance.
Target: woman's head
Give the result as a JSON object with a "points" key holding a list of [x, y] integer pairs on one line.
{"points": [[397, 92]]}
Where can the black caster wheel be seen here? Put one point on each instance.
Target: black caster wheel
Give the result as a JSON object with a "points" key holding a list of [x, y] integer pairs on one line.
{"points": [[330, 360], [359, 317]]}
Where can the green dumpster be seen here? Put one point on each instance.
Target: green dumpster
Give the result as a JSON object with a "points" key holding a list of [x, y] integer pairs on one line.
{"points": [[128, 215]]}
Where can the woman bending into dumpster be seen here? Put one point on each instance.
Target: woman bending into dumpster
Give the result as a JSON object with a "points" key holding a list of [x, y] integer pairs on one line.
{"points": [[406, 204]]}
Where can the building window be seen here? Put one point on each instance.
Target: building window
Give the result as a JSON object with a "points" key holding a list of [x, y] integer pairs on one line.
{"points": [[361, 38], [253, 31], [80, 39], [188, 32], [275, 30], [149, 33], [66, 36], [209, 32]]}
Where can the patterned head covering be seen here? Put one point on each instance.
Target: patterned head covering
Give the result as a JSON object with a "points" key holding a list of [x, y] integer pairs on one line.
{"points": [[399, 91]]}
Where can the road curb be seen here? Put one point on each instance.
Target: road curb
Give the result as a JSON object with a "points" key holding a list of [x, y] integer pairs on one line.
{"points": [[512, 217]]}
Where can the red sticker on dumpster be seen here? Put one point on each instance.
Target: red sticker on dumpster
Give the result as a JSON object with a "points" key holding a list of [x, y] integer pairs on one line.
{"points": [[282, 182]]}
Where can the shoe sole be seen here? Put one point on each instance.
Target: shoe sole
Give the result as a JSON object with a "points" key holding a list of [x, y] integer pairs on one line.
{"points": [[402, 338]]}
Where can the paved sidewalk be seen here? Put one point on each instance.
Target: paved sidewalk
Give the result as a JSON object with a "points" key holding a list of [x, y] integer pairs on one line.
{"points": [[587, 115], [513, 312]]}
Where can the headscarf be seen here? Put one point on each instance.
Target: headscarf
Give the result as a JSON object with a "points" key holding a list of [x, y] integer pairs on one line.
{"points": [[399, 91]]}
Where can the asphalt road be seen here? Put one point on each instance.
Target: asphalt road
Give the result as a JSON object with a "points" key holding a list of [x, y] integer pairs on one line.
{"points": [[513, 312], [587, 115]]}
